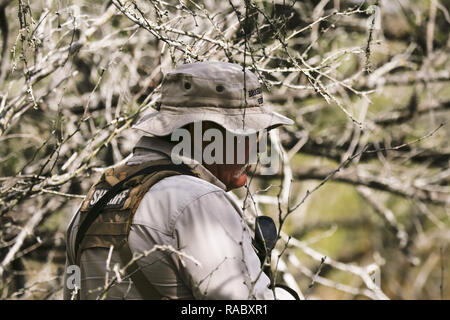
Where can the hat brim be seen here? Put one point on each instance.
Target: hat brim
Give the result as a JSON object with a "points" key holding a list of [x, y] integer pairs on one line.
{"points": [[168, 119]]}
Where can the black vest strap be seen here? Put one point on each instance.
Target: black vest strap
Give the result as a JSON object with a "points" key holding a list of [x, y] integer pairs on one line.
{"points": [[143, 285]]}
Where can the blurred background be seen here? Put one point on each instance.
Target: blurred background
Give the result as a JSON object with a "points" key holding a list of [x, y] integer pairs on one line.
{"points": [[362, 194]]}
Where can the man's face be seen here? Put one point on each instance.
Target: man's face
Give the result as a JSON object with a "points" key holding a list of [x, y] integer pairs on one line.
{"points": [[233, 175]]}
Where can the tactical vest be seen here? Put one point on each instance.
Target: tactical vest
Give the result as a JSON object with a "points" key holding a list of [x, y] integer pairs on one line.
{"points": [[107, 212]]}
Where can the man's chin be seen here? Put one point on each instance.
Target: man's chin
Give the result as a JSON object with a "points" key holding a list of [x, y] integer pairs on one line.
{"points": [[237, 182]]}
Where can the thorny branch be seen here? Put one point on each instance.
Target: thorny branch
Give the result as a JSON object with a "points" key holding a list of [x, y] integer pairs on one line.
{"points": [[74, 79]]}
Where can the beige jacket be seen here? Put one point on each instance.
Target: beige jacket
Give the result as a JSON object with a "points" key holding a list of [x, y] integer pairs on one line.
{"points": [[192, 215]]}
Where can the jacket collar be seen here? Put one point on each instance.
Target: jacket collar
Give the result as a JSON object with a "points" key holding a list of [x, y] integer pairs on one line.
{"points": [[152, 148]]}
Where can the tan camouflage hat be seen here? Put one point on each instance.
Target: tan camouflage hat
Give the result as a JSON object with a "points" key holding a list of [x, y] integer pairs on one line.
{"points": [[211, 91]]}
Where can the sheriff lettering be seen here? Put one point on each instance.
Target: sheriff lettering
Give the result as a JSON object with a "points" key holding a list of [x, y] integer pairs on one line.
{"points": [[116, 202]]}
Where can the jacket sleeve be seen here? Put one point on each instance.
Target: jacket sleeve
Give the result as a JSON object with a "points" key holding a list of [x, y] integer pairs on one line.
{"points": [[211, 231]]}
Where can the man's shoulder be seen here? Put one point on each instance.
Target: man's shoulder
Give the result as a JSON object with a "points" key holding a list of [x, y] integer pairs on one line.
{"points": [[188, 186], [166, 200], [181, 190]]}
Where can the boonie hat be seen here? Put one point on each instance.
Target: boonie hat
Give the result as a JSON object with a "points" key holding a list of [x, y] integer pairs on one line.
{"points": [[211, 91]]}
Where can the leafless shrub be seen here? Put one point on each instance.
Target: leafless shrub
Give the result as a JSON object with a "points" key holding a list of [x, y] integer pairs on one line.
{"points": [[367, 83]]}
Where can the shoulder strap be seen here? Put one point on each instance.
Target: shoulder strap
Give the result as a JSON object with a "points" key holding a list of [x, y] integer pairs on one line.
{"points": [[145, 287], [291, 291]]}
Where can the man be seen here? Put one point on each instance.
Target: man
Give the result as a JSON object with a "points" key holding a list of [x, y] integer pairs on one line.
{"points": [[204, 246]]}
